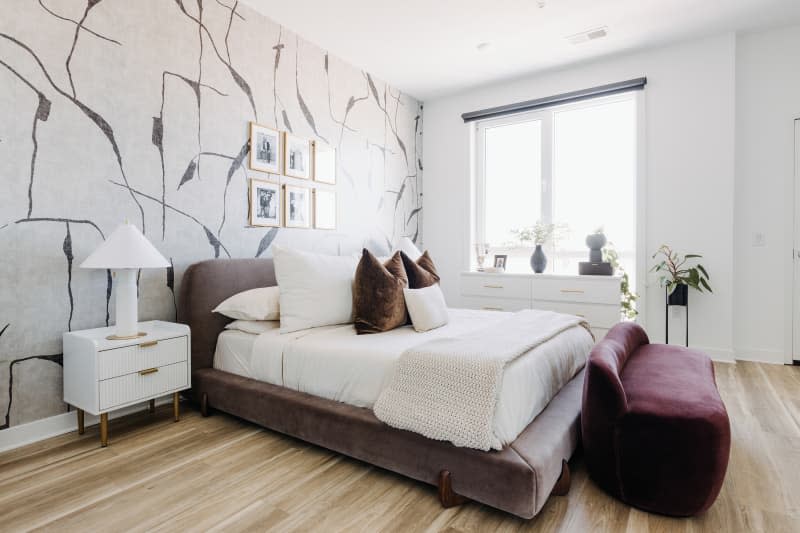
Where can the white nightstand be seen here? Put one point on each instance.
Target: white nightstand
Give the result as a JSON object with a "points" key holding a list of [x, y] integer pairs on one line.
{"points": [[101, 375]]}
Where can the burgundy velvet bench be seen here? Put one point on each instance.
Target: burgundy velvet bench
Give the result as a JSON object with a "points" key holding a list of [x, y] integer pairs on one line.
{"points": [[655, 431]]}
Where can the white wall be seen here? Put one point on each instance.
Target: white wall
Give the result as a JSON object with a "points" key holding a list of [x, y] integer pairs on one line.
{"points": [[690, 99], [767, 102]]}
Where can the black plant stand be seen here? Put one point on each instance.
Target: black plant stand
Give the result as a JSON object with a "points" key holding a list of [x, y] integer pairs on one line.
{"points": [[680, 296]]}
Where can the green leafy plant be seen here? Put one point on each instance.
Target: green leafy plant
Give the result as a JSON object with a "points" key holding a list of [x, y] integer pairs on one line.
{"points": [[627, 298], [539, 234], [673, 270]]}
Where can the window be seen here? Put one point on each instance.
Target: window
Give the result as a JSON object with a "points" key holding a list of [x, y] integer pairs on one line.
{"points": [[574, 166]]}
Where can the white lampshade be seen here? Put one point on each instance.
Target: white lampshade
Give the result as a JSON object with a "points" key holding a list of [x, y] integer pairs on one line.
{"points": [[410, 249], [126, 248]]}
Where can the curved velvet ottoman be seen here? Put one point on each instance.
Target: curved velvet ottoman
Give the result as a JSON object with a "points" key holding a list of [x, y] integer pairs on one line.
{"points": [[655, 431]]}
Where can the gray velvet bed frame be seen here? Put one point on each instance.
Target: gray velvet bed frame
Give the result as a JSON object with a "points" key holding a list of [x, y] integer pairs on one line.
{"points": [[519, 479]]}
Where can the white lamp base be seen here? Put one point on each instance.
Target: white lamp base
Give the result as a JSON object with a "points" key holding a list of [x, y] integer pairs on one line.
{"points": [[127, 310]]}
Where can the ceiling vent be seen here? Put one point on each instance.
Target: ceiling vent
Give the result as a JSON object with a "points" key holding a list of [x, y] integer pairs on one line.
{"points": [[588, 35]]}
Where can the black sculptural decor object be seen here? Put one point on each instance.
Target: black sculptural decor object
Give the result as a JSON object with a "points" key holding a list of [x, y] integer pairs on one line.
{"points": [[595, 266]]}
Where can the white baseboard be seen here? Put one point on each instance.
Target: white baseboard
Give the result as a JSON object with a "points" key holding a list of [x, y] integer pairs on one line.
{"points": [[760, 356], [717, 354], [23, 434]]}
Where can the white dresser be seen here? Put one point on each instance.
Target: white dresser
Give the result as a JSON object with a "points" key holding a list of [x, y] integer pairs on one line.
{"points": [[101, 375], [595, 298]]}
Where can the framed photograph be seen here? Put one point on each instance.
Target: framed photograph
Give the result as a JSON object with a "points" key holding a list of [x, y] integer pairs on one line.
{"points": [[265, 149], [265, 203], [500, 261], [296, 157], [297, 206], [324, 163], [324, 209]]}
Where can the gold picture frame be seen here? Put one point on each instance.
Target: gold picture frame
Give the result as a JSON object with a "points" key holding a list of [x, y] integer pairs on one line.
{"points": [[296, 206], [265, 203], [325, 209], [297, 161], [266, 149], [324, 163]]}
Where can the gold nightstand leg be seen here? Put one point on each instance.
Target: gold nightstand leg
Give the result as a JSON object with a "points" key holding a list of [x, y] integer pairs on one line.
{"points": [[81, 427], [176, 408], [152, 406], [104, 430]]}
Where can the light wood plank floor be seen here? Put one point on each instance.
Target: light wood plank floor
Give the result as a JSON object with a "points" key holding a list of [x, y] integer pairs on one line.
{"points": [[222, 474]]}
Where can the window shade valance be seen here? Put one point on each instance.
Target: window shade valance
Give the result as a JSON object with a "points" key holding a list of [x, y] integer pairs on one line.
{"points": [[558, 99]]}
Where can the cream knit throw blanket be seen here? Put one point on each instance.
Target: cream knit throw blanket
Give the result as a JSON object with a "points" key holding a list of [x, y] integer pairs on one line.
{"points": [[447, 389]]}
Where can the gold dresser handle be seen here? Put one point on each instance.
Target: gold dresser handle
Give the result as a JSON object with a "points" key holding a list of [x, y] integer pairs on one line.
{"points": [[148, 344], [493, 286], [148, 371], [575, 291], [487, 308]]}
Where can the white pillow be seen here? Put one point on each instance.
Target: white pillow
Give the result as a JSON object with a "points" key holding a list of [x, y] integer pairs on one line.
{"points": [[255, 304], [256, 327], [408, 247], [316, 290], [426, 307]]}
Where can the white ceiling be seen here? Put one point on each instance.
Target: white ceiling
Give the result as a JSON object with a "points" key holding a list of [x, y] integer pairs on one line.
{"points": [[427, 48]]}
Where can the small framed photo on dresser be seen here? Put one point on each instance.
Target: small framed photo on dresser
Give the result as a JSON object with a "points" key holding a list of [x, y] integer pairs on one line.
{"points": [[297, 157], [324, 209], [265, 149], [265, 203], [500, 261], [297, 206]]}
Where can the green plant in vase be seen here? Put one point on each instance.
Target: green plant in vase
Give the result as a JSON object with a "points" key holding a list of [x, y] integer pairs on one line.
{"points": [[675, 273]]}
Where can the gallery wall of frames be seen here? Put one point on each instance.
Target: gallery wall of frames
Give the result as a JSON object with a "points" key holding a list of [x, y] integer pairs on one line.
{"points": [[282, 199], [115, 110]]}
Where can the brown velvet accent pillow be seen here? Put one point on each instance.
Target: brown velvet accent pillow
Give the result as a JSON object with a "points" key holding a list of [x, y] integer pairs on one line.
{"points": [[421, 273], [378, 301]]}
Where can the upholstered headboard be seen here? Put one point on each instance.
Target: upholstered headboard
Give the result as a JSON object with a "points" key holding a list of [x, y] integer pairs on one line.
{"points": [[204, 286]]}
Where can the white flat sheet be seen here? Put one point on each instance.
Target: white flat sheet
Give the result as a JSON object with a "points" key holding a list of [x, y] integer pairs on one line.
{"points": [[335, 363]]}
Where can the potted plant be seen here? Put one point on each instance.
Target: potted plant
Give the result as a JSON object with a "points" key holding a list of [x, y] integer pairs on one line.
{"points": [[627, 300], [539, 234], [676, 277]]}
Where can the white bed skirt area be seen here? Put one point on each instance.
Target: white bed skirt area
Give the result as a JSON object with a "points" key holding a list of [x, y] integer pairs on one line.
{"points": [[334, 363]]}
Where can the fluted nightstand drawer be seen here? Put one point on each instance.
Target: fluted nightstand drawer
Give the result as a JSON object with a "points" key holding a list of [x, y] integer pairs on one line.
{"points": [[147, 354], [496, 286], [143, 384]]}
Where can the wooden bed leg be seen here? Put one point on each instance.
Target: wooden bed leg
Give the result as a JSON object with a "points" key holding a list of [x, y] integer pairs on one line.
{"points": [[447, 497], [204, 404], [564, 481]]}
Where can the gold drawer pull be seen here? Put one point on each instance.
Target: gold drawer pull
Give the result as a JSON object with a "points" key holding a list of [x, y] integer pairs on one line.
{"points": [[487, 308], [575, 291], [580, 315], [148, 344], [148, 371], [492, 286]]}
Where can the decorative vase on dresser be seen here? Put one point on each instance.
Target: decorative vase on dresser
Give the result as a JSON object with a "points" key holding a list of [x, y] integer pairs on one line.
{"points": [[594, 298], [538, 260]]}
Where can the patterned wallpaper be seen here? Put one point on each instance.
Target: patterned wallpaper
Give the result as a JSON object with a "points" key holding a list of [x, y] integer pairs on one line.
{"points": [[115, 110]]}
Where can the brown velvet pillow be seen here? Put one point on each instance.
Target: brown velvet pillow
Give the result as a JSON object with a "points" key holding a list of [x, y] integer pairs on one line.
{"points": [[421, 273], [378, 301]]}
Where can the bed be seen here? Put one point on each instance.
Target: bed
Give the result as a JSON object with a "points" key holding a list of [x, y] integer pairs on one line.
{"points": [[297, 385]]}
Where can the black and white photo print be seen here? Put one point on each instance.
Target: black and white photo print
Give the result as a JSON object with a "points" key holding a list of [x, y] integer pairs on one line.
{"points": [[297, 157], [265, 204], [265, 150], [298, 207]]}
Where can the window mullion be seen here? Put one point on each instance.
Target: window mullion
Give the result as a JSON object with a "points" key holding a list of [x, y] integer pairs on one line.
{"points": [[547, 168]]}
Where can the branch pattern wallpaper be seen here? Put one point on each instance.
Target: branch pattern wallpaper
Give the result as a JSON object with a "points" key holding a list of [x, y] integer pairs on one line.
{"points": [[113, 110]]}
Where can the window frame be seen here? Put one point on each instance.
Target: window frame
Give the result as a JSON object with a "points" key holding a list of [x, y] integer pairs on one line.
{"points": [[547, 116]]}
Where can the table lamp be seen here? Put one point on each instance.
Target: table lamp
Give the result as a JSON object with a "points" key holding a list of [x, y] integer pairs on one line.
{"points": [[125, 252]]}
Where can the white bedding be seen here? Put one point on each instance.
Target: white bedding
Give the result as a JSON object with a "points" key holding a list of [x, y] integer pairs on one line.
{"points": [[335, 363]]}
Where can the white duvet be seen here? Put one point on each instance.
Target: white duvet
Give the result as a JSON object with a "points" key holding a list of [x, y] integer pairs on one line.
{"points": [[335, 363]]}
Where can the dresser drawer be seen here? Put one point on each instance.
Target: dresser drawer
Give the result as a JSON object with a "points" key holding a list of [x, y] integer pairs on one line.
{"points": [[143, 384], [597, 315], [121, 361], [494, 304], [575, 289], [497, 286]]}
